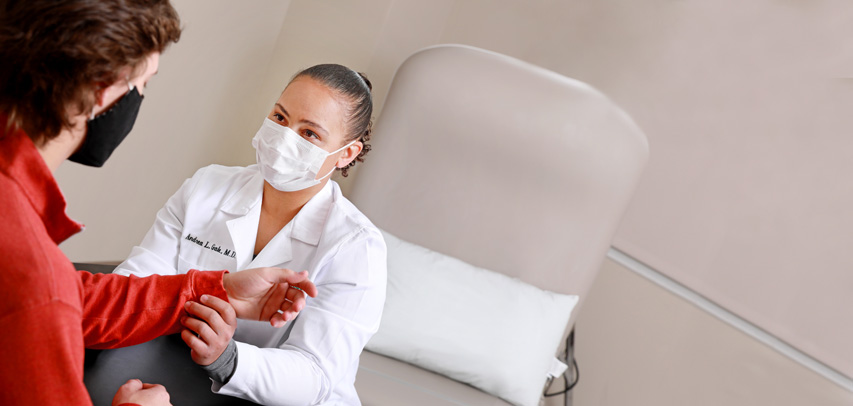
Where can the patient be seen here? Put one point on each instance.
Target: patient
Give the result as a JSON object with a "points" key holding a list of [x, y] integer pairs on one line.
{"points": [[284, 212]]}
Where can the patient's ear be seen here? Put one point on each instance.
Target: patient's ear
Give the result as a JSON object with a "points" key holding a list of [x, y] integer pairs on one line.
{"points": [[100, 95]]}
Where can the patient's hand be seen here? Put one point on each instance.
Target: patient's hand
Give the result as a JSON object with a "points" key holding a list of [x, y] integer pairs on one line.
{"points": [[145, 394], [210, 329], [272, 294]]}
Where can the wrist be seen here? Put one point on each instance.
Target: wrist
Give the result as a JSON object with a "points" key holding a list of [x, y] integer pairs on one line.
{"points": [[222, 369]]}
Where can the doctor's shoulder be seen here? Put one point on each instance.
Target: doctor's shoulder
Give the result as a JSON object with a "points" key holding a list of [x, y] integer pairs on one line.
{"points": [[350, 237], [216, 183], [347, 218]]}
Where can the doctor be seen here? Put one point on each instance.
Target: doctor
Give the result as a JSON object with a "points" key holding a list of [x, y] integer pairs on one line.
{"points": [[285, 211]]}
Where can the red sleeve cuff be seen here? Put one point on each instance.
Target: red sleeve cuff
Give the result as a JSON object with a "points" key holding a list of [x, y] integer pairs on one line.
{"points": [[207, 283]]}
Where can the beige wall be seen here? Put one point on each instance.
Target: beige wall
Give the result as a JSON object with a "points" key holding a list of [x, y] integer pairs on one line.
{"points": [[744, 199], [638, 345]]}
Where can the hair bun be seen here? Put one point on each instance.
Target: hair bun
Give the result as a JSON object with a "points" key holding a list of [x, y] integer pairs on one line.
{"points": [[366, 81]]}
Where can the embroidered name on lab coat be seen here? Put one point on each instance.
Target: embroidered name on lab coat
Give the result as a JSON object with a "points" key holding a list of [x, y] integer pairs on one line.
{"points": [[213, 247]]}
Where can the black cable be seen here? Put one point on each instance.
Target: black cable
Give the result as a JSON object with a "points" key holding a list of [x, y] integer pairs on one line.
{"points": [[570, 343], [568, 386]]}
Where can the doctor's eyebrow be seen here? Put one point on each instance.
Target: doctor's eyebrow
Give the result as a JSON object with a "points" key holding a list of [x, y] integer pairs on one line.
{"points": [[309, 122]]}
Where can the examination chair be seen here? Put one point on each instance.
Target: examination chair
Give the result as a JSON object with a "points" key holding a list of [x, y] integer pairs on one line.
{"points": [[503, 165], [477, 156]]}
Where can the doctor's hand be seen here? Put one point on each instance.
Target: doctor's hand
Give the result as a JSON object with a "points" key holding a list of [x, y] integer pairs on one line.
{"points": [[145, 394], [210, 328], [268, 294]]}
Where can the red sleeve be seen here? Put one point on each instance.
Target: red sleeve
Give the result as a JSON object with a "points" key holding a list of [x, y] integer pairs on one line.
{"points": [[119, 311]]}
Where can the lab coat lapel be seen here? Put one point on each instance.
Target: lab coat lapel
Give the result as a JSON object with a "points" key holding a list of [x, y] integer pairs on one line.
{"points": [[246, 204], [306, 226], [278, 252], [309, 223], [243, 232]]}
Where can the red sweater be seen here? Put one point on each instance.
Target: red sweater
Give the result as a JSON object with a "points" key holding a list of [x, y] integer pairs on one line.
{"points": [[49, 311]]}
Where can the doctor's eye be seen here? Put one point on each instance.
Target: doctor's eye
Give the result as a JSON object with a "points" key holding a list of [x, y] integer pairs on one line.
{"points": [[278, 117], [311, 134]]}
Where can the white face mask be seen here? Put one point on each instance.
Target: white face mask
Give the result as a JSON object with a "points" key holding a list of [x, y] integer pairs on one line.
{"points": [[287, 161]]}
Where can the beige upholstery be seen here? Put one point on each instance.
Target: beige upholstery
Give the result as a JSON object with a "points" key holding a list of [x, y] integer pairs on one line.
{"points": [[504, 165], [385, 381]]}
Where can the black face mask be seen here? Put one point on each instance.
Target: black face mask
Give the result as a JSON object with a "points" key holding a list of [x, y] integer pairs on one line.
{"points": [[107, 130]]}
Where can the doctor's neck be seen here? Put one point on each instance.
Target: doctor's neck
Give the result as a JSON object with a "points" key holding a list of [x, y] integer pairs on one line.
{"points": [[286, 204]]}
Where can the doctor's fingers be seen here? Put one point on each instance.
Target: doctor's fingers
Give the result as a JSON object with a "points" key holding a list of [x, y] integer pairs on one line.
{"points": [[298, 279], [214, 331], [293, 300], [307, 287], [280, 309], [203, 330], [280, 319], [274, 301], [294, 304], [225, 310], [208, 314], [199, 350], [192, 340], [296, 294]]}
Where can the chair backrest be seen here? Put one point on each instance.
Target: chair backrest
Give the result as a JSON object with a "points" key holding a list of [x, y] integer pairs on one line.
{"points": [[501, 164]]}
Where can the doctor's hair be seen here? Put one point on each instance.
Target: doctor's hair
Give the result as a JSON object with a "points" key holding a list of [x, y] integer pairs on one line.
{"points": [[356, 88], [56, 52]]}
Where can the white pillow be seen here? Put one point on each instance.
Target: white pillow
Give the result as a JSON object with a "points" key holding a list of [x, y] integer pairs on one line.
{"points": [[473, 325]]}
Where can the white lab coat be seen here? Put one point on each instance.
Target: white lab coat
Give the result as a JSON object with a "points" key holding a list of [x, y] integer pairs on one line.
{"points": [[211, 223]]}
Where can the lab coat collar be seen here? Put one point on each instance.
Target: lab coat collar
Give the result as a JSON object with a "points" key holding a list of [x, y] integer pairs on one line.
{"points": [[247, 197], [308, 223], [306, 226], [245, 206]]}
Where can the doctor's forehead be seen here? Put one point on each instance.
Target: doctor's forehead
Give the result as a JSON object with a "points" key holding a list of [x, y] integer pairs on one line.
{"points": [[316, 101]]}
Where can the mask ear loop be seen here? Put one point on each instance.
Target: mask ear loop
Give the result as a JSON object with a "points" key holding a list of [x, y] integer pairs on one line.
{"points": [[333, 153]]}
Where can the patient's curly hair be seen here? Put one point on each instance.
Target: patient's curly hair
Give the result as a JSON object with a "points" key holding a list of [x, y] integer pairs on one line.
{"points": [[357, 88]]}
